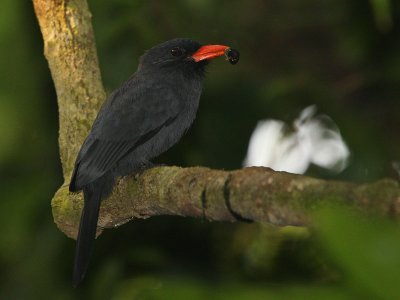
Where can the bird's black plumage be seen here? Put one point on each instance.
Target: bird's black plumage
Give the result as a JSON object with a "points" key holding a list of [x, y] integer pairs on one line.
{"points": [[144, 117]]}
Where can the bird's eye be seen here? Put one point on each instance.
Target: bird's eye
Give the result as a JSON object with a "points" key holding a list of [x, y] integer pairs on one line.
{"points": [[177, 51]]}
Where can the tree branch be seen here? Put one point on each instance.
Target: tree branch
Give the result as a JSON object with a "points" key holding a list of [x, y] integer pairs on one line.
{"points": [[70, 49], [251, 194], [254, 194]]}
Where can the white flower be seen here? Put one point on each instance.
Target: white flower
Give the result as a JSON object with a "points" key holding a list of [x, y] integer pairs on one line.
{"points": [[315, 139]]}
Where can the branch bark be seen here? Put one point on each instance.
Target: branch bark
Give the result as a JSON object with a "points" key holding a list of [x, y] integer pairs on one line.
{"points": [[69, 47], [251, 194]]}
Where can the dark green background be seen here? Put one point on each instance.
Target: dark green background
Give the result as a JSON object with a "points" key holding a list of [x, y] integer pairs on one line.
{"points": [[343, 56]]}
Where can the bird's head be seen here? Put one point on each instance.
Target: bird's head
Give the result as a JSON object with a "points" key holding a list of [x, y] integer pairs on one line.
{"points": [[181, 54]]}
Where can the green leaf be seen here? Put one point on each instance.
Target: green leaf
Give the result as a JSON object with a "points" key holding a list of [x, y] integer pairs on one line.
{"points": [[366, 249]]}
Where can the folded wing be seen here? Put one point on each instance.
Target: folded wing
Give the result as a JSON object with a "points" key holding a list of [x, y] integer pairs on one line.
{"points": [[126, 121]]}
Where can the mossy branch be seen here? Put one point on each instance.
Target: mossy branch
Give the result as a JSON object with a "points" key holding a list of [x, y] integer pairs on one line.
{"points": [[70, 49], [251, 194]]}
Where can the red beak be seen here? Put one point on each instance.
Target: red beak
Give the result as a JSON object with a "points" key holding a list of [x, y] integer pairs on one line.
{"points": [[209, 52]]}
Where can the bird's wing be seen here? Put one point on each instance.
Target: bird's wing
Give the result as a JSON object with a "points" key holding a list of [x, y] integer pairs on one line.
{"points": [[127, 120]]}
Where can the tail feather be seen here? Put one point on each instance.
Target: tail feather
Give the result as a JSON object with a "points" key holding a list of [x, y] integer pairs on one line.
{"points": [[87, 232]]}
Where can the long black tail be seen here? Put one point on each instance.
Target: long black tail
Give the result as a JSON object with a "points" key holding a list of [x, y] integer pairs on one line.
{"points": [[87, 231]]}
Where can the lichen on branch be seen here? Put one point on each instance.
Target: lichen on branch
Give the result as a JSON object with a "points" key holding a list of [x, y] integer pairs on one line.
{"points": [[69, 47], [250, 194]]}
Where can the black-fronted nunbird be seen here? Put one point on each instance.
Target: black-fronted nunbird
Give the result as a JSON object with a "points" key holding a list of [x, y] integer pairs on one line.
{"points": [[141, 119]]}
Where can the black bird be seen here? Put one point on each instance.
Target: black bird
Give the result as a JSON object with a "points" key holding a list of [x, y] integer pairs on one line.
{"points": [[143, 118]]}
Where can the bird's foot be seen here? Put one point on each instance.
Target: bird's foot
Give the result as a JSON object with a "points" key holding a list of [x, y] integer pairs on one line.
{"points": [[147, 166]]}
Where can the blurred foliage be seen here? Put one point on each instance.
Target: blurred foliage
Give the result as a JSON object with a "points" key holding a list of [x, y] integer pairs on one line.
{"points": [[341, 55]]}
